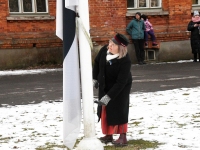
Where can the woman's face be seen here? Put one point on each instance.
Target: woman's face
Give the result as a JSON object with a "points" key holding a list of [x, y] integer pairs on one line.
{"points": [[196, 16], [113, 48], [137, 17]]}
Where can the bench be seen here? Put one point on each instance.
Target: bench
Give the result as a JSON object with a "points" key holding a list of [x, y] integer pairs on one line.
{"points": [[151, 51]]}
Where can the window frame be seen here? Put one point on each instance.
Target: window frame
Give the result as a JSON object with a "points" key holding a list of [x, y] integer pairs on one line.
{"points": [[196, 4], [148, 2], [195, 7], [34, 7]]}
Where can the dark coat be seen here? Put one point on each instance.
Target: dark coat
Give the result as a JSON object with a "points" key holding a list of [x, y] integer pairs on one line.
{"points": [[115, 80], [195, 37]]}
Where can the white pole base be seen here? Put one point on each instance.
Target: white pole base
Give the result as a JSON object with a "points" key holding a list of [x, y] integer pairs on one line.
{"points": [[90, 144]]}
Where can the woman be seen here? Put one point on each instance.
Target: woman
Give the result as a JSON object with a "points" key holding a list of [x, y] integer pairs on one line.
{"points": [[194, 27], [136, 30], [112, 73]]}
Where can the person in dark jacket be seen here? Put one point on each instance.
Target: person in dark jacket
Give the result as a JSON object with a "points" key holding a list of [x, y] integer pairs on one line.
{"points": [[194, 27], [136, 30], [111, 74]]}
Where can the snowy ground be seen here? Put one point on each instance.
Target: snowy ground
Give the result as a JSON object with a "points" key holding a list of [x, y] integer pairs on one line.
{"points": [[170, 117]]}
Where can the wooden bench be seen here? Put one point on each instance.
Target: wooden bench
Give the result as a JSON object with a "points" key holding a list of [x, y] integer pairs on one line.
{"points": [[151, 51]]}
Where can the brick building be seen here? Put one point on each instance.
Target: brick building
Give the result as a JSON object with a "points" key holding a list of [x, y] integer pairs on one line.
{"points": [[169, 18], [27, 33], [27, 29]]}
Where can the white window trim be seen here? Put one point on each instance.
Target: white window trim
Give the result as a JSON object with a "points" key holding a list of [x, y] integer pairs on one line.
{"points": [[20, 3], [148, 2], [196, 4], [22, 6], [150, 12]]}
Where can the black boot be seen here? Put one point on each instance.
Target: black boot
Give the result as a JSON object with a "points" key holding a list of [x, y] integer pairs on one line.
{"points": [[199, 57], [195, 57], [140, 63], [121, 141], [144, 62], [106, 139]]}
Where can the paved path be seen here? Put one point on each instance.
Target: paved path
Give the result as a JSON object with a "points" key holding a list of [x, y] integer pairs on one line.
{"points": [[34, 88]]}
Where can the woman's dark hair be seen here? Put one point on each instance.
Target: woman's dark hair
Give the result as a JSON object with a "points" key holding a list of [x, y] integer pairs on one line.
{"points": [[144, 17]]}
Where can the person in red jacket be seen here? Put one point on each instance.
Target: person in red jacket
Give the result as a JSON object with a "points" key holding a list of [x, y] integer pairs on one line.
{"points": [[112, 75]]}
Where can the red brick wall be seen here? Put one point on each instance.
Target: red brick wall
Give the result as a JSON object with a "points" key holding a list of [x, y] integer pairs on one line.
{"points": [[165, 5], [109, 16], [3, 15], [106, 18], [179, 11], [27, 33]]}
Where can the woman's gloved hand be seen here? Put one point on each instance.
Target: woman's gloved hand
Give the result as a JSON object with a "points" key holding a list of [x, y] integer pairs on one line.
{"points": [[104, 100], [95, 84]]}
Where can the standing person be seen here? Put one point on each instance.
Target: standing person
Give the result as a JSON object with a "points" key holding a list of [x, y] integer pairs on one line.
{"points": [[194, 27], [148, 31], [136, 30], [111, 72]]}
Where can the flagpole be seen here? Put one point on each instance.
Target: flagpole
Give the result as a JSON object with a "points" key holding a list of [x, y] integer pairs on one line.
{"points": [[66, 30], [89, 142]]}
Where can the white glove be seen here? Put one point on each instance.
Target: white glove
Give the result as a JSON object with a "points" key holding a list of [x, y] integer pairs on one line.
{"points": [[95, 83], [104, 100]]}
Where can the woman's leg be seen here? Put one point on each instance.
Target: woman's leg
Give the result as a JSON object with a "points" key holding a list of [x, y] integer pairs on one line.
{"points": [[109, 130], [141, 49], [121, 141], [199, 57], [137, 50], [151, 33], [146, 37], [195, 57], [105, 128], [153, 38]]}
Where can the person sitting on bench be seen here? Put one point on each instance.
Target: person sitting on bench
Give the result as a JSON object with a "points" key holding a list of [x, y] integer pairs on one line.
{"points": [[148, 31]]}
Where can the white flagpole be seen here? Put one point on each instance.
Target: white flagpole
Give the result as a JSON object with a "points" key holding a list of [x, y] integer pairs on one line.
{"points": [[89, 142]]}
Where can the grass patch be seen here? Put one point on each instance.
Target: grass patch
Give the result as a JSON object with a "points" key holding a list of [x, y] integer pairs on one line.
{"points": [[152, 127], [132, 145], [135, 123], [135, 145], [180, 125], [25, 129], [186, 94], [197, 121], [196, 116], [4, 139], [182, 146], [162, 104], [50, 146]]}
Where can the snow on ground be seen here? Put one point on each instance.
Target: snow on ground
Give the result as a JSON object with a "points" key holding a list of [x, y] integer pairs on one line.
{"points": [[170, 117], [22, 72]]}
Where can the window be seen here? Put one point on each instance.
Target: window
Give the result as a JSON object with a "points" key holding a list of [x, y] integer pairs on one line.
{"points": [[28, 6], [195, 2], [143, 3]]}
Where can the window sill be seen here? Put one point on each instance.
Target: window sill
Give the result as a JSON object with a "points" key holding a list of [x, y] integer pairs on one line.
{"points": [[197, 7], [46, 17], [149, 12]]}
